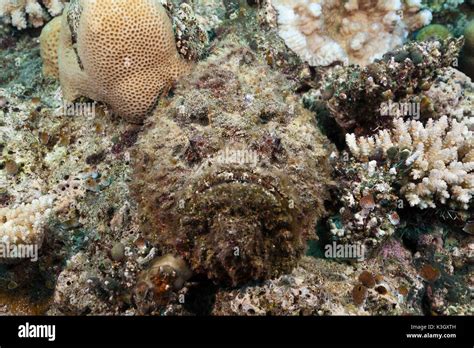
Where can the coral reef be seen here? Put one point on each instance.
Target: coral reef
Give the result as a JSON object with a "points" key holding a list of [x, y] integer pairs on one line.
{"points": [[437, 160], [160, 280], [230, 176], [189, 29], [356, 96], [223, 185], [452, 95], [369, 203], [123, 64], [323, 32], [443, 5], [323, 287], [24, 13]]}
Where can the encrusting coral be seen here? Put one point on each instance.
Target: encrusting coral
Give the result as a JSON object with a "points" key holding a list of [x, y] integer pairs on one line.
{"points": [[21, 13], [322, 32], [437, 160], [126, 54]]}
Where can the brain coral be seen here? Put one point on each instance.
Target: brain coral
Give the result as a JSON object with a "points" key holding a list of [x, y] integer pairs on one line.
{"points": [[119, 52], [322, 32]]}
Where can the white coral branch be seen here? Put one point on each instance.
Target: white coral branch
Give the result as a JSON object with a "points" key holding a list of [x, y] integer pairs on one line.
{"points": [[440, 164]]}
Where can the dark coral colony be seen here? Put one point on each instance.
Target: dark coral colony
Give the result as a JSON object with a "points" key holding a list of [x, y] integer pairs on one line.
{"points": [[236, 157]]}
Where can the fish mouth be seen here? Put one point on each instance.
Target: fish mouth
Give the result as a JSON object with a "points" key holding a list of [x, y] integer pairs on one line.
{"points": [[234, 221], [242, 194]]}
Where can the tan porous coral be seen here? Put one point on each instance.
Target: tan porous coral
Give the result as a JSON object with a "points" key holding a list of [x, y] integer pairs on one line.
{"points": [[322, 32], [21, 13], [119, 52], [49, 47], [435, 162]]}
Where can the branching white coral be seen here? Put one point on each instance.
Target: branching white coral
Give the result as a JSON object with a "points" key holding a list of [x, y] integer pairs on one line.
{"points": [[23, 224], [439, 160], [20, 13], [322, 32]]}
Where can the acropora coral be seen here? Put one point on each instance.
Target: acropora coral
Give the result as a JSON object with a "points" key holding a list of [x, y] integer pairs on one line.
{"points": [[323, 32], [437, 160], [24, 13]]}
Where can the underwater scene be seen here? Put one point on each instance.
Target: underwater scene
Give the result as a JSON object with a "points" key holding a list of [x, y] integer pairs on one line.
{"points": [[236, 157]]}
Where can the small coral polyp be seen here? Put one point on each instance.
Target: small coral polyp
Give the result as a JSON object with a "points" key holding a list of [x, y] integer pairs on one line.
{"points": [[323, 32]]}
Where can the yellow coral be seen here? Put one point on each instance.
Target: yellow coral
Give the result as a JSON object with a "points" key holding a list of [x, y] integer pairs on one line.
{"points": [[128, 55], [49, 47]]}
